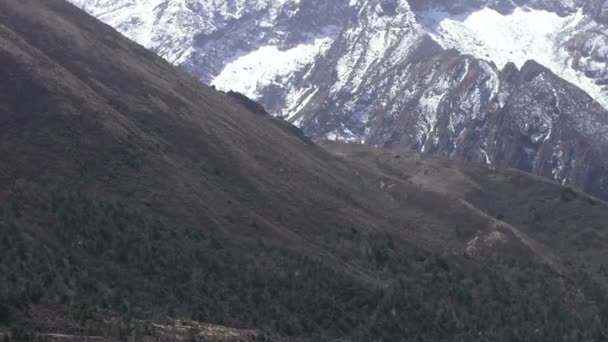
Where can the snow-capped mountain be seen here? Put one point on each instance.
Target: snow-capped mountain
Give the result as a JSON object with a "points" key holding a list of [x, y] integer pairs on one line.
{"points": [[511, 83]]}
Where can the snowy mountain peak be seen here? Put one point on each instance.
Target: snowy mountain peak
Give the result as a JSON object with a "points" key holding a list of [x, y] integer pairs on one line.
{"points": [[193, 33]]}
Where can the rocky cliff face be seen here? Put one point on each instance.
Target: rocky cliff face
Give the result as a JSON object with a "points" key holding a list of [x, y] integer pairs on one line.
{"points": [[447, 77]]}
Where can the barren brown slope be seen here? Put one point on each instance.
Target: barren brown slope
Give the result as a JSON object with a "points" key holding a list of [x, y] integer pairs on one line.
{"points": [[131, 193], [562, 226]]}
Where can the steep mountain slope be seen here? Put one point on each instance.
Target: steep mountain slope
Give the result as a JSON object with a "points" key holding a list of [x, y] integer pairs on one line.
{"points": [[376, 71], [193, 34], [138, 203]]}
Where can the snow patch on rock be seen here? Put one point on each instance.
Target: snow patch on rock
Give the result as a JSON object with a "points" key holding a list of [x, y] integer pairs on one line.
{"points": [[517, 37], [251, 73]]}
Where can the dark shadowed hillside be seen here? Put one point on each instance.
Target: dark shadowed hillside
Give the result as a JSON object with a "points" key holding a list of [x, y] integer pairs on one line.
{"points": [[137, 203]]}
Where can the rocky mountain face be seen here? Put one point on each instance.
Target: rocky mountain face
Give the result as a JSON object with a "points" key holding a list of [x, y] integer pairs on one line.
{"points": [[454, 78]]}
